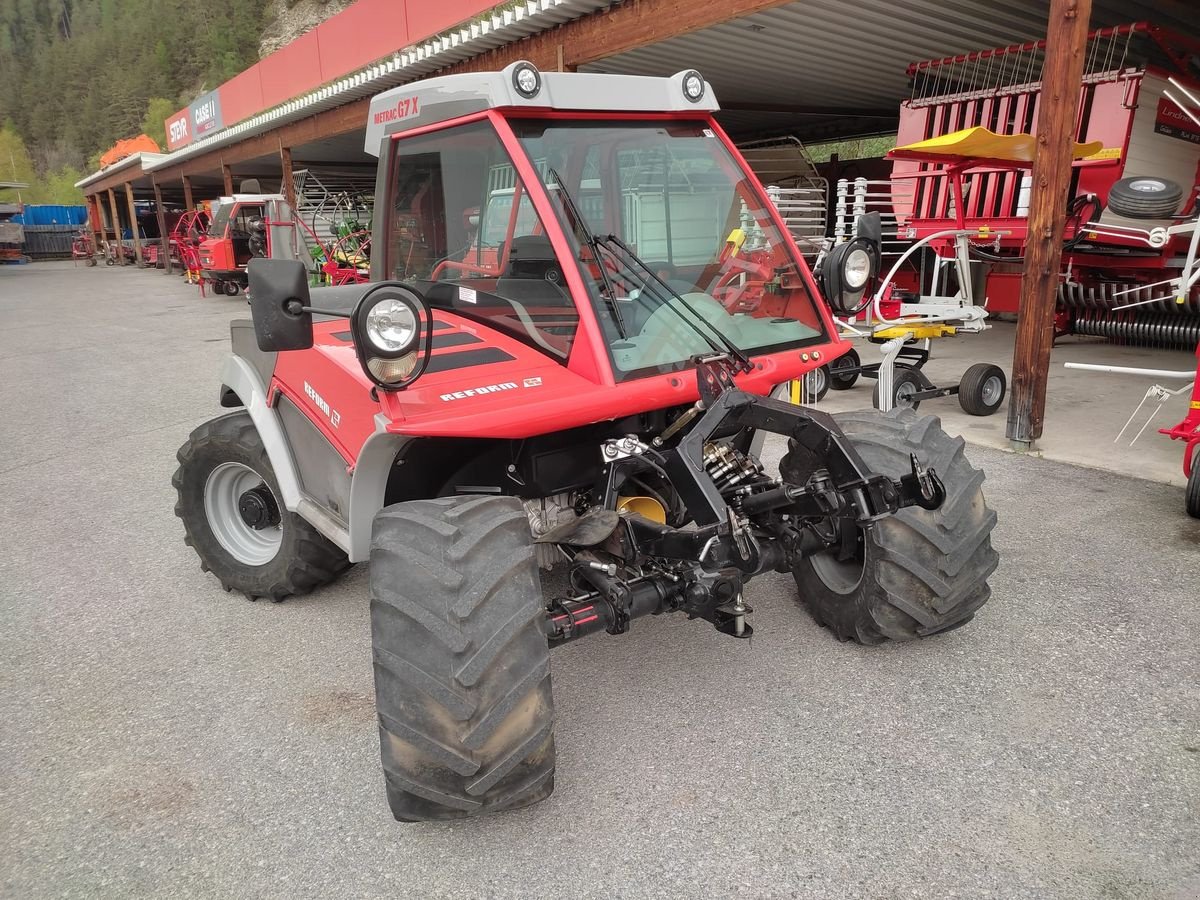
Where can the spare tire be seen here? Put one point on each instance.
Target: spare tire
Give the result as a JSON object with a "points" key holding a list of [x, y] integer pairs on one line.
{"points": [[1145, 197]]}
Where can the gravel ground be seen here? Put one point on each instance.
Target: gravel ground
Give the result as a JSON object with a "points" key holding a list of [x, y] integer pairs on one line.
{"points": [[161, 737]]}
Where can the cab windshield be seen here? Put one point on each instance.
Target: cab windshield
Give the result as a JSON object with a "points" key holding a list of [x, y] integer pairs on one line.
{"points": [[692, 240]]}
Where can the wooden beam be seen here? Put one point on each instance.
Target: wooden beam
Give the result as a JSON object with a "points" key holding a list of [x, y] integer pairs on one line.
{"points": [[116, 220], [1062, 74], [187, 193], [227, 174], [329, 123], [133, 224], [289, 186], [164, 239]]}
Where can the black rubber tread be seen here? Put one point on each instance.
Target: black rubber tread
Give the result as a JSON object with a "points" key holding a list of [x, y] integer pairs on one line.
{"points": [[1192, 497], [462, 666], [970, 389], [849, 360], [1125, 201], [901, 376], [925, 572], [306, 558]]}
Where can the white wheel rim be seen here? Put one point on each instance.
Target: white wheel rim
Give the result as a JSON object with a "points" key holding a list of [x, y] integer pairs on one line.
{"points": [[1146, 186], [991, 391], [222, 490]]}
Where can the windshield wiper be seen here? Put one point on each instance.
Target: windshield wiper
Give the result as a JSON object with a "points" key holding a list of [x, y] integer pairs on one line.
{"points": [[594, 244], [729, 346]]}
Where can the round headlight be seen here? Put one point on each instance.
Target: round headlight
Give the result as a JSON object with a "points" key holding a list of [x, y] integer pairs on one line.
{"points": [[391, 326], [693, 86], [527, 80], [856, 268]]}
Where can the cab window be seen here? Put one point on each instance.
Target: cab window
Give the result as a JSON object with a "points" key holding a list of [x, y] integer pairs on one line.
{"points": [[463, 228]]}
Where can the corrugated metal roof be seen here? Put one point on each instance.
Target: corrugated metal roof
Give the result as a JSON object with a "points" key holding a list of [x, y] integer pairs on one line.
{"points": [[488, 32], [834, 54]]}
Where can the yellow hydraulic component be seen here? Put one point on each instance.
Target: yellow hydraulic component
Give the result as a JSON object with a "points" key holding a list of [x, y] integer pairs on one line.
{"points": [[980, 143], [917, 331], [646, 507], [737, 237]]}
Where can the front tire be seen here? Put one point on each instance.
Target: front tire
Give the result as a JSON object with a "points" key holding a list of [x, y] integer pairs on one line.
{"points": [[281, 554], [462, 665], [916, 573]]}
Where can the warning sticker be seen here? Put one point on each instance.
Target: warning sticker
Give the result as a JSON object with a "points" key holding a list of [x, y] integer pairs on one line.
{"points": [[1174, 122], [466, 294]]}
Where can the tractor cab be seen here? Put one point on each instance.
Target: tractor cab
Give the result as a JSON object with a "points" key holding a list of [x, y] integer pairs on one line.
{"points": [[244, 227], [619, 243]]}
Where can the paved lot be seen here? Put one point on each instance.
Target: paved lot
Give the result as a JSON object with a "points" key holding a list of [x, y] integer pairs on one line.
{"points": [[160, 737]]}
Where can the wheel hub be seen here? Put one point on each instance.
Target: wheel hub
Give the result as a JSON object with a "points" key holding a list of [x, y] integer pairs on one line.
{"points": [[258, 509]]}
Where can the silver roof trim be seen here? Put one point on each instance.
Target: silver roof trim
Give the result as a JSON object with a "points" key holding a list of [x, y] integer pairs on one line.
{"points": [[450, 96], [146, 159]]}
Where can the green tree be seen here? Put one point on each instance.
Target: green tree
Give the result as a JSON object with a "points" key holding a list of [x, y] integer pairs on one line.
{"points": [[158, 110]]}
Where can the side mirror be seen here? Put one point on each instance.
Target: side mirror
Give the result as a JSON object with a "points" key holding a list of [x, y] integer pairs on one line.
{"points": [[278, 293]]}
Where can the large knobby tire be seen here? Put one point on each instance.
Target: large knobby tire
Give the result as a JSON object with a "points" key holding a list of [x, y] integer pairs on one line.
{"points": [[919, 572], [226, 456], [462, 666]]}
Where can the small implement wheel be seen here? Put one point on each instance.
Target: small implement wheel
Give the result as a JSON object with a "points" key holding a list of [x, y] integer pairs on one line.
{"points": [[109, 261], [233, 518], [981, 390], [1145, 197], [839, 378], [905, 383], [1192, 496], [232, 288], [816, 385], [462, 666], [914, 574], [91, 262]]}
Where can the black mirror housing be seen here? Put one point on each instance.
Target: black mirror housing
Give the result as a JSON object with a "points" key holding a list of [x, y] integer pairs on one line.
{"points": [[278, 290]]}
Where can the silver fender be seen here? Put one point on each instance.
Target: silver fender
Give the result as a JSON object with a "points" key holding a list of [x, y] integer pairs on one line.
{"points": [[368, 485]]}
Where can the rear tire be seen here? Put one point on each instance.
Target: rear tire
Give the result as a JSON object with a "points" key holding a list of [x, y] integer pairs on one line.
{"points": [[462, 665], [276, 562], [981, 390], [919, 572]]}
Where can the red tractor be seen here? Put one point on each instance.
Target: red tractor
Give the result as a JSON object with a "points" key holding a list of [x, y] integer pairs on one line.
{"points": [[578, 398], [245, 227]]}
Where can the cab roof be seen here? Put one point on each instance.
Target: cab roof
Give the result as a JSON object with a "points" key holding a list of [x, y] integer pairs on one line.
{"points": [[434, 100]]}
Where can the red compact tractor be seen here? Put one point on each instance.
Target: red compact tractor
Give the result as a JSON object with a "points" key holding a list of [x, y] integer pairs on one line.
{"points": [[964, 163], [588, 391], [245, 227]]}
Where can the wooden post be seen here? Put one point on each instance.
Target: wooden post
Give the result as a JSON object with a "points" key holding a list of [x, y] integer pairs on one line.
{"points": [[289, 184], [164, 239], [96, 214], [227, 174], [1062, 74], [133, 224], [187, 193], [116, 219]]}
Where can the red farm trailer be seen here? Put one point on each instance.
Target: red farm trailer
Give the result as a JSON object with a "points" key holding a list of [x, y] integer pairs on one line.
{"points": [[1138, 109]]}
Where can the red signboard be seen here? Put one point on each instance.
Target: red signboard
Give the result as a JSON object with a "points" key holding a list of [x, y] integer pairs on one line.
{"points": [[179, 132], [359, 35]]}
